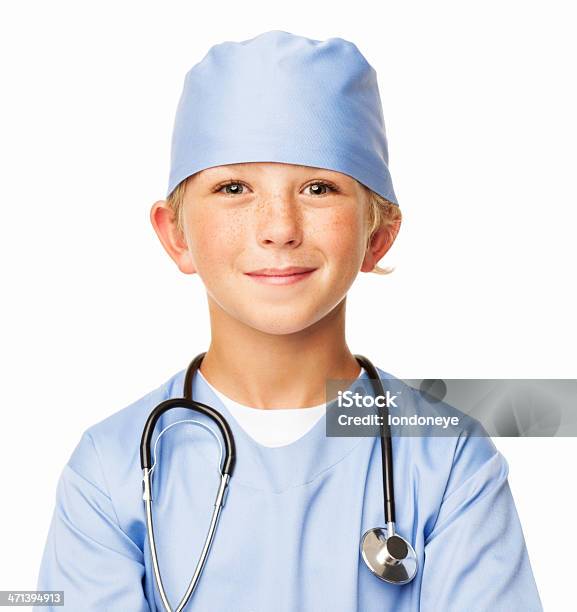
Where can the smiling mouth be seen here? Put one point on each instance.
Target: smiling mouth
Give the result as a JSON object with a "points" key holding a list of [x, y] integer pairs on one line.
{"points": [[281, 276]]}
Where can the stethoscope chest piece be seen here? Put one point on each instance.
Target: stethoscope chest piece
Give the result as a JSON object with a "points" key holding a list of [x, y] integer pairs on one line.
{"points": [[389, 556]]}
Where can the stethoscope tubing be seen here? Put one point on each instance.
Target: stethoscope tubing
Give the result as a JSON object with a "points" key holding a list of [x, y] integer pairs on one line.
{"points": [[386, 442], [228, 465], [182, 402]]}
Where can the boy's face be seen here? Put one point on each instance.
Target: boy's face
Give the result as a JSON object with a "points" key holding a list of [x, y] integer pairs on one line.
{"points": [[245, 218]]}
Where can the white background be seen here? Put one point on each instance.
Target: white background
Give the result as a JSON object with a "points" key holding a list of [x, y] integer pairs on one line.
{"points": [[479, 102]]}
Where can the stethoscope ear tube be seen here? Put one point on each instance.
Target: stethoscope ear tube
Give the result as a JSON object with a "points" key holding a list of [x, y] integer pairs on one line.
{"points": [[180, 402]]}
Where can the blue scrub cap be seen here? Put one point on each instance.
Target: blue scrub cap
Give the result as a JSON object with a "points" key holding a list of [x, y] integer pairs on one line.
{"points": [[279, 97]]}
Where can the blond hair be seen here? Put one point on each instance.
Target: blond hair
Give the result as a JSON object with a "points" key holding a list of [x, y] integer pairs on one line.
{"points": [[382, 214]]}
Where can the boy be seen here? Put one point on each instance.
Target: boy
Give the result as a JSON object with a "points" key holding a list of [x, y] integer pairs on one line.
{"points": [[279, 194]]}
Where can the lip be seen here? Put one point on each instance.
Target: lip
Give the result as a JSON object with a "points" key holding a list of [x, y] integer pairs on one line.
{"points": [[281, 276]]}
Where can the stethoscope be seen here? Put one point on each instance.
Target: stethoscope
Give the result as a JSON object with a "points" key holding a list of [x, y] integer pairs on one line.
{"points": [[388, 555]]}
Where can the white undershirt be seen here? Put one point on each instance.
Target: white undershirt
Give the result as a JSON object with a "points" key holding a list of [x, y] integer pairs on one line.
{"points": [[276, 427]]}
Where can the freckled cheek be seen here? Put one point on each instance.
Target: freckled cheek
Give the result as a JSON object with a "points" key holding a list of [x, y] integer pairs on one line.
{"points": [[215, 241], [342, 240]]}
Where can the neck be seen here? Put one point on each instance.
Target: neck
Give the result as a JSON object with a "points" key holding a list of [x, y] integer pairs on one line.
{"points": [[277, 370]]}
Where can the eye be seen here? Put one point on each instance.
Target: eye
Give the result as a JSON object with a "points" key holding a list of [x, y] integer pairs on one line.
{"points": [[318, 186], [232, 188]]}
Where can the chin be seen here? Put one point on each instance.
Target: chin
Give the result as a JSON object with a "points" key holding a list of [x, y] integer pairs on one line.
{"points": [[278, 326], [284, 322], [280, 318]]}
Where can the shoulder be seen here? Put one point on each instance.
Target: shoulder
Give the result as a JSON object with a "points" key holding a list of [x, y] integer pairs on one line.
{"points": [[116, 439]]}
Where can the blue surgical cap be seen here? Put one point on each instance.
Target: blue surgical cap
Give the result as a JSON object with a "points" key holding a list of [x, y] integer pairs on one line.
{"points": [[279, 97]]}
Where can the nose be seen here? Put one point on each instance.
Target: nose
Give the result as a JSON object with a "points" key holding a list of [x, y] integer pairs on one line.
{"points": [[279, 223]]}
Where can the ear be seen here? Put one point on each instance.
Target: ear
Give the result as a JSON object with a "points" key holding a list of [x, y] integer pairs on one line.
{"points": [[171, 238], [381, 241]]}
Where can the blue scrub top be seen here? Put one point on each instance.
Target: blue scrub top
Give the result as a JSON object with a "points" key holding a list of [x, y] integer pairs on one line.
{"points": [[289, 533]]}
